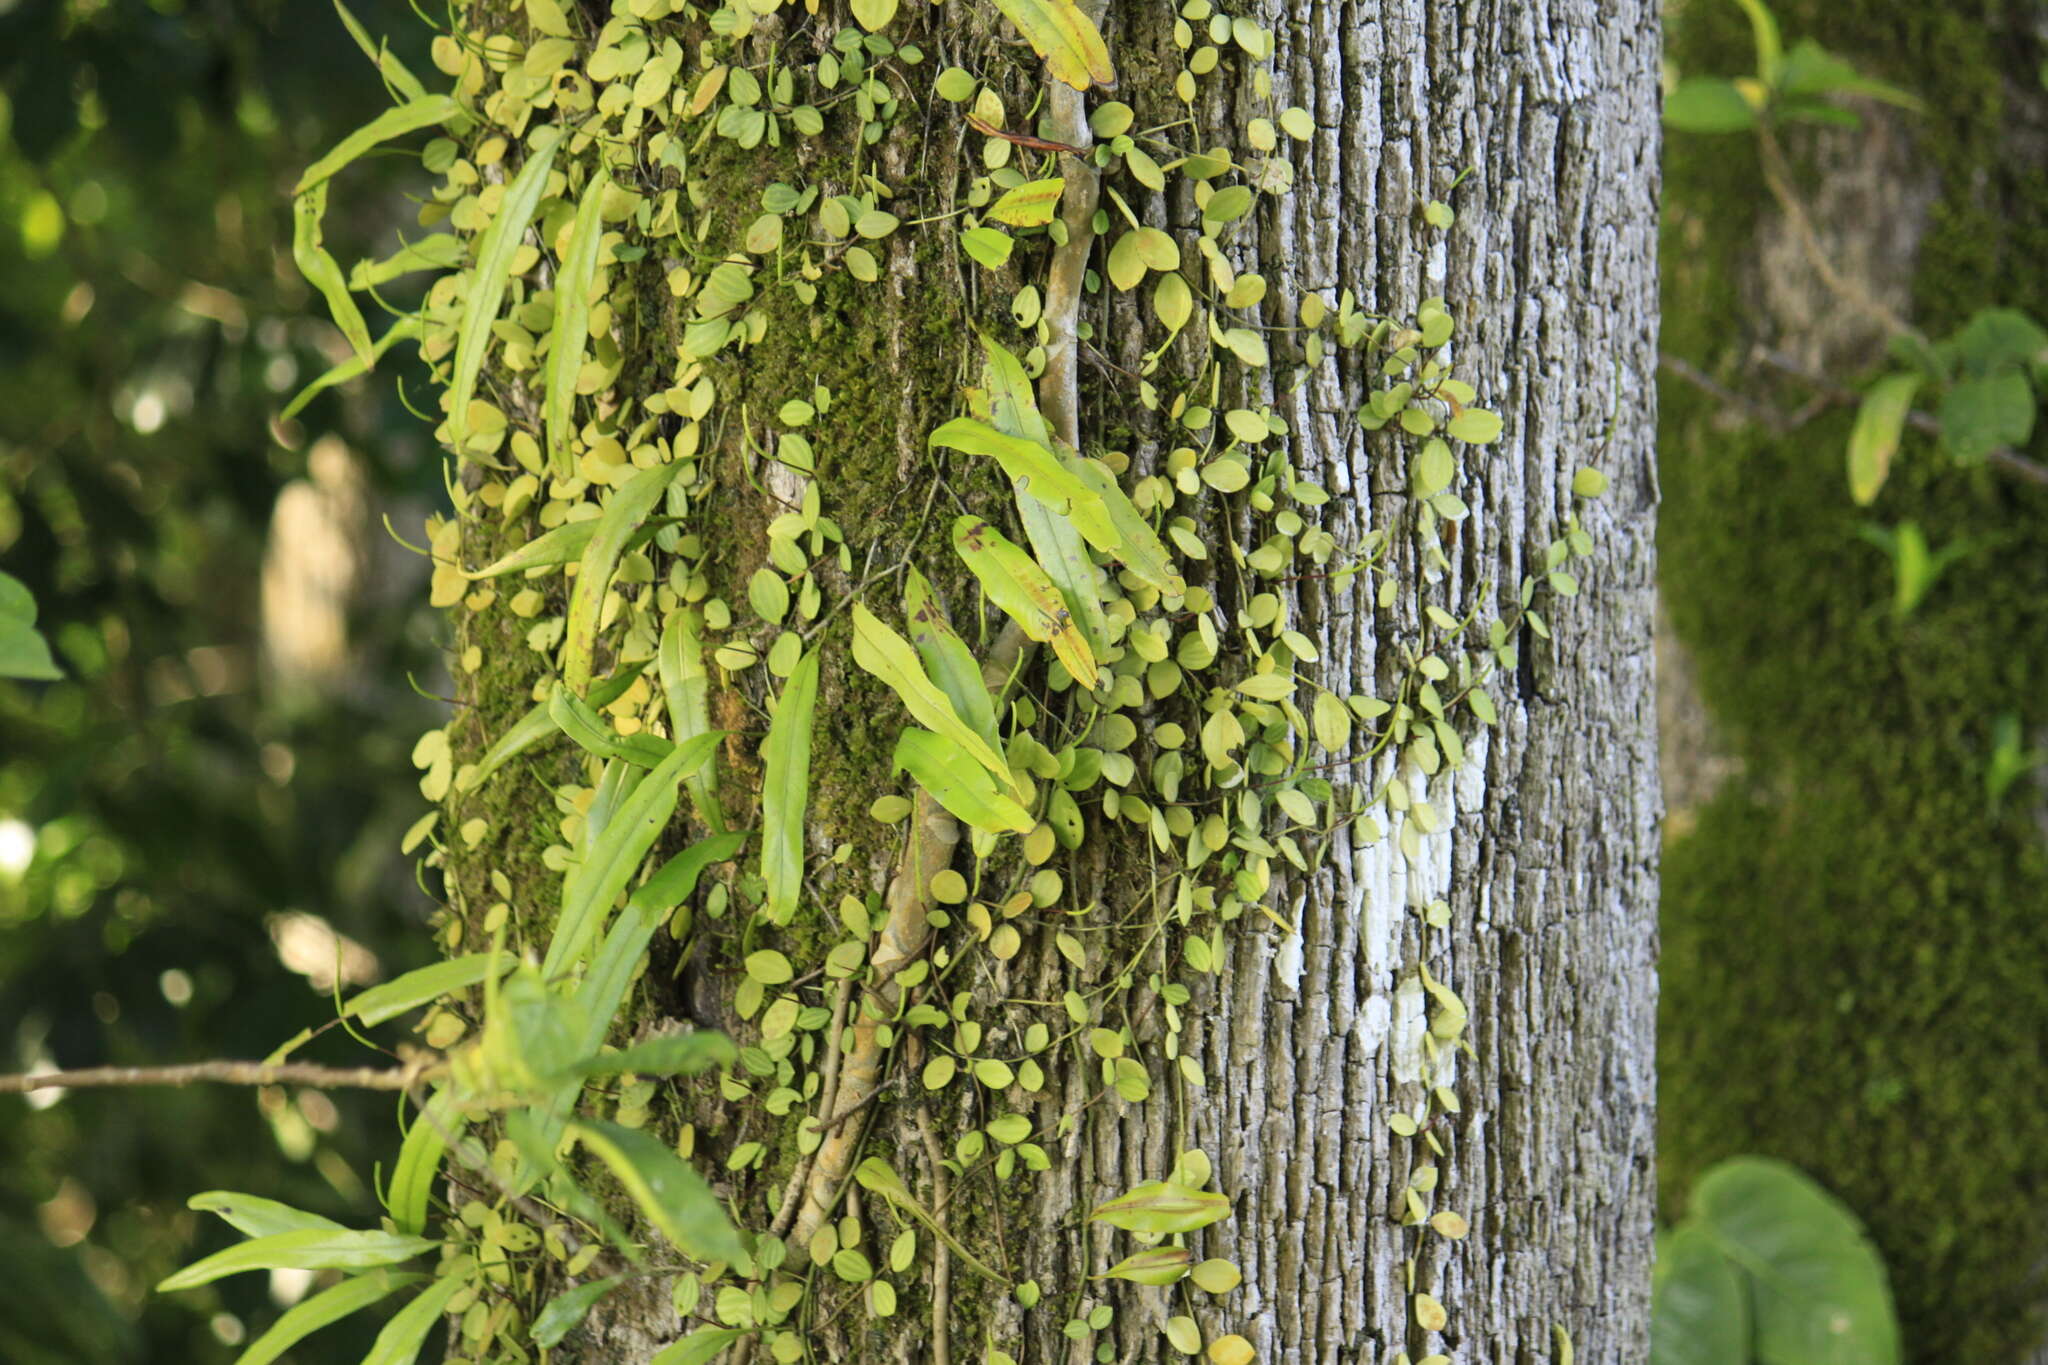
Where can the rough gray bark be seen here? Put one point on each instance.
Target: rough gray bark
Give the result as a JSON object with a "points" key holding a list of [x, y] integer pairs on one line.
{"points": [[1550, 868], [1310, 1042]]}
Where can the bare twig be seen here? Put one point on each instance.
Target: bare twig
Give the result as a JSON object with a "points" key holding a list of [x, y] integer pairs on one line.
{"points": [[1778, 180], [229, 1073]]}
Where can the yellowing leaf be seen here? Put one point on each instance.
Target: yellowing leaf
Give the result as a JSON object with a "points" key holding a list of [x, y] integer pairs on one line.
{"points": [[1160, 1265], [1031, 204], [1880, 419], [1231, 1350], [1015, 583], [785, 789], [1055, 540], [1061, 33], [570, 335], [1162, 1207]]}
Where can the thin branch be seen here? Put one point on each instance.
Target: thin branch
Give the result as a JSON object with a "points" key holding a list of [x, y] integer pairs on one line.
{"points": [[228, 1073], [1827, 394], [1777, 179]]}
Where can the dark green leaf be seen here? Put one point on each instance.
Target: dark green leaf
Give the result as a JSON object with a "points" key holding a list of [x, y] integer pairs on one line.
{"points": [[565, 1312], [785, 789], [330, 1305], [1820, 1292], [1699, 1311], [667, 1189], [1979, 416]]}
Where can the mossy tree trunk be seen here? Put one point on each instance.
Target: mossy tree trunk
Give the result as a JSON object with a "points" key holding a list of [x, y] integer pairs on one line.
{"points": [[1312, 1028], [1853, 933]]}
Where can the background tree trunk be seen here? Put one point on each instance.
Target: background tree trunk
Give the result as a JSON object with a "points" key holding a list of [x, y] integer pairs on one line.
{"points": [[1311, 1039]]}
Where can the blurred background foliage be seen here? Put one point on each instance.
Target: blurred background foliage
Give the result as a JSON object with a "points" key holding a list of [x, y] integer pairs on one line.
{"points": [[1854, 930], [218, 788]]}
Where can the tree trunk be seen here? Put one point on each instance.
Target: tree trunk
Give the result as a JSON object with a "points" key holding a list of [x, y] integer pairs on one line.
{"points": [[1313, 1028]]}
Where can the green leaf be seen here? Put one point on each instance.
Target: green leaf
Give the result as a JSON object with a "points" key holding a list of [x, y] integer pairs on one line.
{"points": [[419, 1161], [254, 1216], [987, 246], [1019, 587], [409, 117], [1475, 426], [323, 272], [1158, 1265], [421, 986], [874, 15], [888, 656], [958, 783], [1996, 338], [1162, 1207], [439, 251], [493, 270], [24, 653], [1035, 469], [627, 507], [580, 721], [785, 789], [17, 603], [1819, 1287], [1980, 415], [1066, 37], [1137, 545], [672, 885], [399, 1343], [569, 338], [1810, 70], [530, 729], [686, 687], [305, 1249], [329, 1306], [393, 70], [1699, 1311], [948, 661], [680, 1054], [879, 1177], [405, 329], [1031, 204], [565, 1312], [667, 1189], [1880, 419], [563, 545], [591, 886], [701, 1347], [1708, 104]]}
